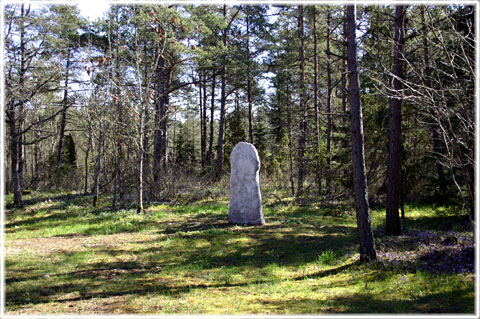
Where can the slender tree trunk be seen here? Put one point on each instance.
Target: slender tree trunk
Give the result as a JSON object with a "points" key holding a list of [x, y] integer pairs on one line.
{"points": [[21, 109], [87, 152], [202, 128], [315, 102], [393, 226], [36, 155], [63, 122], [249, 82], [328, 190], [290, 141], [212, 109], [17, 189], [303, 106], [98, 167], [344, 90], [365, 233], [435, 136], [120, 158], [223, 97], [146, 141], [146, 129], [204, 123], [141, 148]]}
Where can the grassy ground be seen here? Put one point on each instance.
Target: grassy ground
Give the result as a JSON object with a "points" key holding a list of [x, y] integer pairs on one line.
{"points": [[63, 256]]}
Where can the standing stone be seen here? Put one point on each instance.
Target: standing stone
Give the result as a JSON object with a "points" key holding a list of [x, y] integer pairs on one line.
{"points": [[245, 197]]}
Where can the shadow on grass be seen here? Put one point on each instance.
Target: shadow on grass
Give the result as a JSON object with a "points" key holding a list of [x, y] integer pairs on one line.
{"points": [[430, 303], [439, 222], [368, 303], [34, 199], [114, 279]]}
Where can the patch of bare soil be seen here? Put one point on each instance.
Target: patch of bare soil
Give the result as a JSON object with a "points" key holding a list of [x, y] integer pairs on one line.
{"points": [[74, 243]]}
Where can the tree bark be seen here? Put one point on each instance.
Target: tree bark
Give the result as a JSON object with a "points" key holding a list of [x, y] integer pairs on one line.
{"points": [[21, 108], [290, 141], [249, 83], [315, 102], [328, 190], [141, 148], [98, 167], [223, 97], [160, 138], [393, 226], [212, 109], [17, 189], [365, 233], [87, 152], [204, 123], [344, 90], [202, 130], [63, 122], [303, 106]]}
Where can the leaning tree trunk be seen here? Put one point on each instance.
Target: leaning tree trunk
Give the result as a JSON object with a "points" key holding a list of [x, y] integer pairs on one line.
{"points": [[394, 184], [365, 233]]}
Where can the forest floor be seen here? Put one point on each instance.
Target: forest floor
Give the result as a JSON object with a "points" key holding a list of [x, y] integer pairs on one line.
{"points": [[64, 256]]}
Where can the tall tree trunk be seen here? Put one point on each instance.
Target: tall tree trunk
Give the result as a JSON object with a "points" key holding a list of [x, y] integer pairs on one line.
{"points": [[212, 109], [290, 141], [394, 183], [202, 128], [36, 155], [223, 97], [17, 189], [141, 152], [87, 152], [365, 233], [344, 90], [146, 141], [63, 122], [204, 123], [120, 155], [435, 136], [249, 81], [160, 138], [21, 108], [328, 190], [303, 106], [98, 167], [315, 102]]}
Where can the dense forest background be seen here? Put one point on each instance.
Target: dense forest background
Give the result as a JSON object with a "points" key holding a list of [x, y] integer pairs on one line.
{"points": [[147, 102]]}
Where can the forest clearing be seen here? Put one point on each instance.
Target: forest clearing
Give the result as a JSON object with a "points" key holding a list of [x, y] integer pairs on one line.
{"points": [[62, 256], [240, 159]]}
